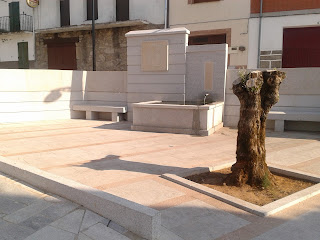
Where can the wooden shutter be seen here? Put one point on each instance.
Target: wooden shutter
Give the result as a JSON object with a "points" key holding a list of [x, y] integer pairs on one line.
{"points": [[65, 12], [23, 55], [14, 13], [301, 47], [122, 10], [89, 9]]}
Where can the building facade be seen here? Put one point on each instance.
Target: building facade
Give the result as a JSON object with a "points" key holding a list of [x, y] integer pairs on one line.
{"points": [[290, 34], [62, 37], [16, 35], [63, 31], [213, 22]]}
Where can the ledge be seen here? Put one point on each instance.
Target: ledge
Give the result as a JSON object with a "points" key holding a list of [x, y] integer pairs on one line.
{"points": [[97, 26], [262, 211], [157, 32]]}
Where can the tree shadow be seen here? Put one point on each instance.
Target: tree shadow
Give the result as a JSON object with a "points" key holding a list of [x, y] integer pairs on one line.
{"points": [[114, 162]]}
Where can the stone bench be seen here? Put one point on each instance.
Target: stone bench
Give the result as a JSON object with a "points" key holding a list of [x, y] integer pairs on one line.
{"points": [[92, 111], [280, 116]]}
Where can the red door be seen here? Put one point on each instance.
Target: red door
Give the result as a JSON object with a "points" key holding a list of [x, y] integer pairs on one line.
{"points": [[62, 56], [301, 47]]}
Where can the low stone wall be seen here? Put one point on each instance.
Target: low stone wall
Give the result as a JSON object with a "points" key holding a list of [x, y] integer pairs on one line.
{"points": [[30, 95], [300, 92]]}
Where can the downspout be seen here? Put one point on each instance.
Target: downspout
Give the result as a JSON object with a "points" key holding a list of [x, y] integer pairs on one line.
{"points": [[260, 30], [166, 14]]}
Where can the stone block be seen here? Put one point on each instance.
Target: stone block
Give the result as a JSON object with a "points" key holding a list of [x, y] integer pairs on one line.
{"points": [[154, 56], [271, 57], [264, 64], [274, 52], [265, 52], [276, 64]]}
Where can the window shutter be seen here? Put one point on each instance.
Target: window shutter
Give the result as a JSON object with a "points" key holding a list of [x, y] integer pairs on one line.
{"points": [[89, 9], [122, 10], [23, 55], [65, 13], [14, 13]]}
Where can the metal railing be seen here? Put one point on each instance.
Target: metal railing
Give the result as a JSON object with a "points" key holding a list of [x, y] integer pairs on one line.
{"points": [[26, 23]]}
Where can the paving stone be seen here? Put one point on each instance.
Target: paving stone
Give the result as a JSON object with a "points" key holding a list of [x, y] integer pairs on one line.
{"points": [[36, 222], [71, 222], [146, 192], [8, 206], [51, 233], [27, 212], [58, 210], [102, 232], [117, 228], [306, 227], [83, 237], [2, 215], [90, 218], [201, 221], [10, 231]]}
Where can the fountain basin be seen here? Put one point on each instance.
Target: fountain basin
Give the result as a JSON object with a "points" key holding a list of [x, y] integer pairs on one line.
{"points": [[156, 116]]}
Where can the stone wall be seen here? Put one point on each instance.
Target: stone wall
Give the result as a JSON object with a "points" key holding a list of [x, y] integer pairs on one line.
{"points": [[111, 48], [14, 65], [271, 59]]}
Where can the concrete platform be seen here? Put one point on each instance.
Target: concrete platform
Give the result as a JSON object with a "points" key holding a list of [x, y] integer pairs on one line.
{"points": [[110, 157]]}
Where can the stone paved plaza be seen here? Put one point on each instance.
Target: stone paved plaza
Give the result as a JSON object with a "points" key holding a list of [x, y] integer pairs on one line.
{"points": [[112, 158]]}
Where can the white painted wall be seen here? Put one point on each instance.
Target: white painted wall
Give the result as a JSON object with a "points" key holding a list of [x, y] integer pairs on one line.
{"points": [[9, 41], [272, 32], [47, 14], [149, 10], [9, 46]]}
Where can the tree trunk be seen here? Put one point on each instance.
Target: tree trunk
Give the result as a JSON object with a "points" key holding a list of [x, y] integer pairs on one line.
{"points": [[257, 92]]}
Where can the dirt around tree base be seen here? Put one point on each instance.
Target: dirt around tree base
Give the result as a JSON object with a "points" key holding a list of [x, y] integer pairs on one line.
{"points": [[284, 187]]}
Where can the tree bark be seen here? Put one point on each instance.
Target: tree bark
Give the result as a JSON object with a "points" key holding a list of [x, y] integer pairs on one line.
{"points": [[257, 92]]}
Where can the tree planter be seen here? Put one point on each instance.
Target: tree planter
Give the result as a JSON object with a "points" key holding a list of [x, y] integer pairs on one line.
{"points": [[156, 116]]}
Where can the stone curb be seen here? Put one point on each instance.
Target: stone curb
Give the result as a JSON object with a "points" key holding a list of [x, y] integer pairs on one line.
{"points": [[136, 218], [262, 211]]}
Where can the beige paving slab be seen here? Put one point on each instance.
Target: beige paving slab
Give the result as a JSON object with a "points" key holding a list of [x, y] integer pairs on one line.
{"points": [[146, 192]]}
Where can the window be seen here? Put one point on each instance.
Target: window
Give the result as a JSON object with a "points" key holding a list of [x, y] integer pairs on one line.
{"points": [[65, 13], [122, 10], [208, 39], [89, 9]]}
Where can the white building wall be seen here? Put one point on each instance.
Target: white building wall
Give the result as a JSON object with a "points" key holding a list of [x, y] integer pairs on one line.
{"points": [[149, 10], [47, 14], [9, 41], [9, 46], [272, 32]]}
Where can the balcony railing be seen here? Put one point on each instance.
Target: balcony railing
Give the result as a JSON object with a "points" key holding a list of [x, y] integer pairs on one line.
{"points": [[26, 24]]}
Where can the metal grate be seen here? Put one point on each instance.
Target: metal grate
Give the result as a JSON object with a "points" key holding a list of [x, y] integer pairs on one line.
{"points": [[26, 23]]}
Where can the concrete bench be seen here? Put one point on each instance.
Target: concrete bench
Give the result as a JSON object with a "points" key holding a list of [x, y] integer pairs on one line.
{"points": [[281, 116], [92, 111]]}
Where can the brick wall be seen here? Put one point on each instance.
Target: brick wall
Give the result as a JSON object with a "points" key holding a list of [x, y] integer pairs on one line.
{"points": [[284, 5]]}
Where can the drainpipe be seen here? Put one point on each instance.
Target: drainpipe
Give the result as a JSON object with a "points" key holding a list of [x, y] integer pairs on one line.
{"points": [[260, 30], [93, 38], [166, 15]]}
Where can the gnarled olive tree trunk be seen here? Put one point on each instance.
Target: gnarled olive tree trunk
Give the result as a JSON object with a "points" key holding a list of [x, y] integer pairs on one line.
{"points": [[257, 92]]}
